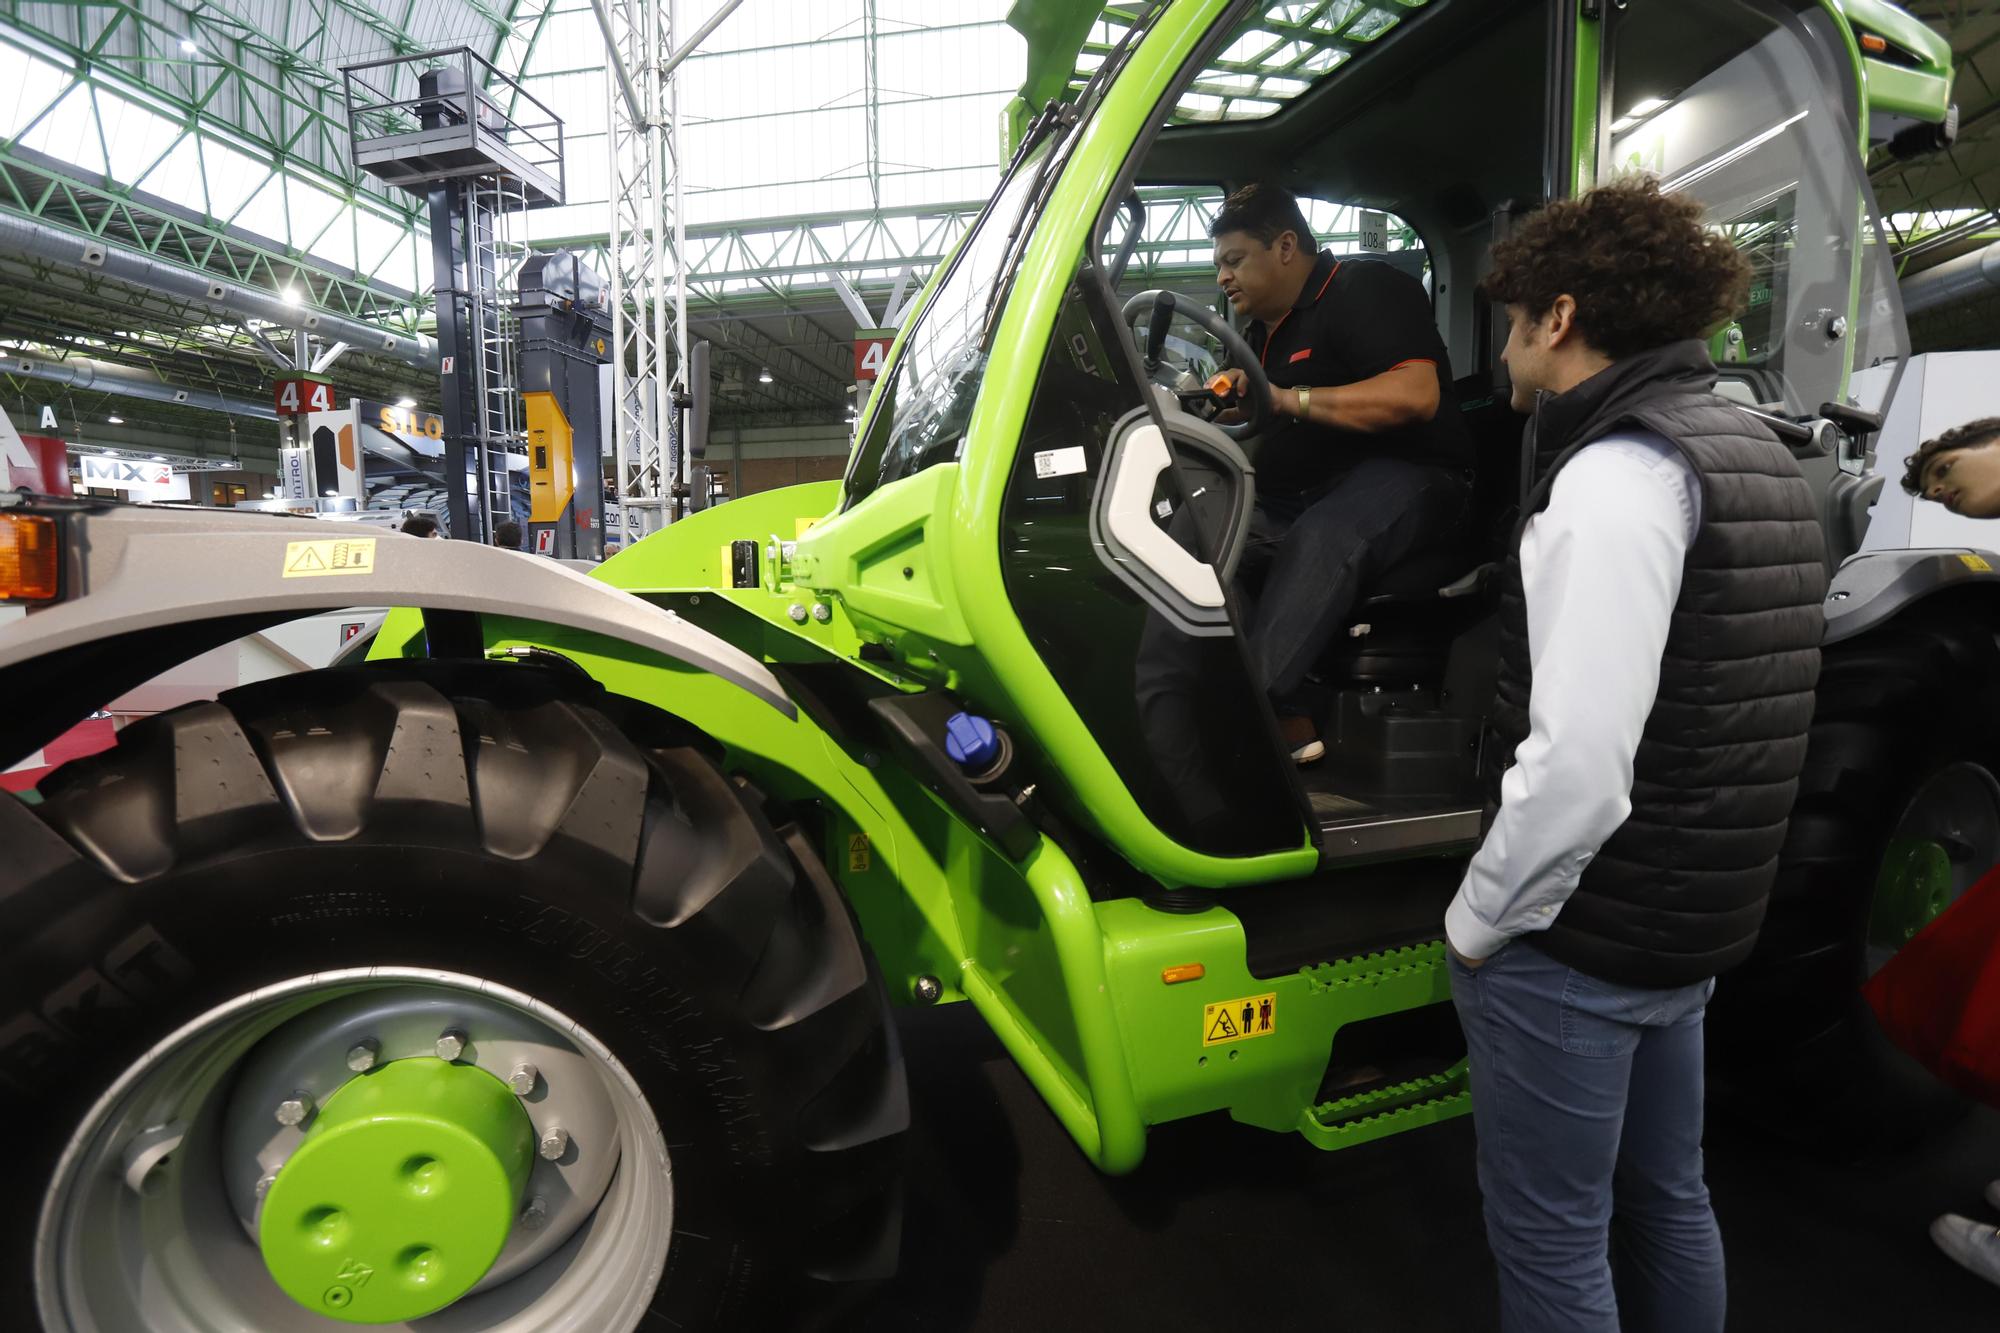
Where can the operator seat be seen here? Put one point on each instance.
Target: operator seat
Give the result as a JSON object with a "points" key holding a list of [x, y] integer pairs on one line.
{"points": [[1404, 623]]}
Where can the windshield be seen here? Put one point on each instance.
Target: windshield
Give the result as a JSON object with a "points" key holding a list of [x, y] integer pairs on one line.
{"points": [[927, 398], [924, 403]]}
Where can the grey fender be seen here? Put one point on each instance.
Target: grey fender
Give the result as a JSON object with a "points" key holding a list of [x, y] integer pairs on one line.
{"points": [[1869, 589], [136, 575]]}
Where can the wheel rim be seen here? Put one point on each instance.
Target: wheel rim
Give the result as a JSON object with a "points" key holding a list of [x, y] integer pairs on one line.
{"points": [[151, 1220], [1947, 838]]}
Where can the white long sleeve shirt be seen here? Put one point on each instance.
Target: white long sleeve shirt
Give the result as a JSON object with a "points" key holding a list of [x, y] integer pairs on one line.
{"points": [[1601, 571]]}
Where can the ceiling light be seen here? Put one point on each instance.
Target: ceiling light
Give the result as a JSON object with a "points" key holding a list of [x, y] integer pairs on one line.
{"points": [[764, 375], [291, 296], [1645, 106], [116, 421], [159, 458], [333, 495], [107, 451], [406, 402], [187, 45]]}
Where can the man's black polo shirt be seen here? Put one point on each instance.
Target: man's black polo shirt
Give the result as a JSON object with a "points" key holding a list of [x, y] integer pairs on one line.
{"points": [[1354, 319]]}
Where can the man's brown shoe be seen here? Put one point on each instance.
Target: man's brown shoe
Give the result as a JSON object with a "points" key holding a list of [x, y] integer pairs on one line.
{"points": [[1302, 739]]}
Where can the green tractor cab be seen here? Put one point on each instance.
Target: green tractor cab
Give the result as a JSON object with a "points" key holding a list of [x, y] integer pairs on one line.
{"points": [[972, 724]]}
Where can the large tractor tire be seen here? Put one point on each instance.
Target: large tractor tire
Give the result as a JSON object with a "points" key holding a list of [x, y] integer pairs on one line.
{"points": [[387, 989], [1898, 813]]}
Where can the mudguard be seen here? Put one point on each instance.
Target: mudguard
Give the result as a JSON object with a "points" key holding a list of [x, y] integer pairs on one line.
{"points": [[146, 587], [1870, 588]]}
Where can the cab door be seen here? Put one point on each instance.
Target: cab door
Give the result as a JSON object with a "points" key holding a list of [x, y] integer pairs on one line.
{"points": [[1118, 529]]}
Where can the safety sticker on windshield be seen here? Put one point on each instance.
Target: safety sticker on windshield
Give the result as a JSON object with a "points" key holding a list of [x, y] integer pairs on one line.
{"points": [[314, 559], [1239, 1020], [1060, 462]]}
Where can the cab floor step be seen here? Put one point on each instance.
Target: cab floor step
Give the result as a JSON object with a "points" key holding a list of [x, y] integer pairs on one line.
{"points": [[1367, 1116]]}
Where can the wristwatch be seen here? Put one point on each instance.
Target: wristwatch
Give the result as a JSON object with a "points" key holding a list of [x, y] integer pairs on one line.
{"points": [[1305, 401]]}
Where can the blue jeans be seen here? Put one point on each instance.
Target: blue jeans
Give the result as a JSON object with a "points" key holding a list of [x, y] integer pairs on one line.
{"points": [[1587, 1105]]}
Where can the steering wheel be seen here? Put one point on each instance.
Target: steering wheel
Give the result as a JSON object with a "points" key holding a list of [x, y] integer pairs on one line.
{"points": [[1164, 305]]}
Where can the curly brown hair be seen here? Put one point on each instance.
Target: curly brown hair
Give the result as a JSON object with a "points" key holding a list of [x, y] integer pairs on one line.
{"points": [[1969, 436], [1641, 268]]}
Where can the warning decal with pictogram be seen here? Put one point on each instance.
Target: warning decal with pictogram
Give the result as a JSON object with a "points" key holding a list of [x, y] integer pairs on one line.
{"points": [[1239, 1020]]}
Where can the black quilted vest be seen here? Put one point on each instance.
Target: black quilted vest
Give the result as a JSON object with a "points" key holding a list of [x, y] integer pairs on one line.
{"points": [[1677, 893]]}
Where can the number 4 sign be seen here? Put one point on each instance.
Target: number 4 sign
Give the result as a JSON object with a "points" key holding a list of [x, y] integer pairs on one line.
{"points": [[296, 396]]}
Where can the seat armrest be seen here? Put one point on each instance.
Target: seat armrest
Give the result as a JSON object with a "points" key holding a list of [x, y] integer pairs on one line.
{"points": [[1471, 583]]}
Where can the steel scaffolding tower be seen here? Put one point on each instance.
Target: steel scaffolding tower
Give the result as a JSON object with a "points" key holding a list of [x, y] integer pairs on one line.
{"points": [[648, 237]]}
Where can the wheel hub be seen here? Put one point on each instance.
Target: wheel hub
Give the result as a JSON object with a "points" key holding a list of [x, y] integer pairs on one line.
{"points": [[1914, 886], [402, 1193]]}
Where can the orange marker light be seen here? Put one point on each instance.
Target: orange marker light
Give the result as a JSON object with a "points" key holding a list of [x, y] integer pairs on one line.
{"points": [[1873, 44], [1183, 972], [28, 563]]}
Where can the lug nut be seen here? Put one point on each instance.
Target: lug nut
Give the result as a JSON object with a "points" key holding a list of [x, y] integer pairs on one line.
{"points": [[797, 612], [295, 1108], [535, 1214], [822, 612], [451, 1044], [522, 1080], [555, 1143], [361, 1056]]}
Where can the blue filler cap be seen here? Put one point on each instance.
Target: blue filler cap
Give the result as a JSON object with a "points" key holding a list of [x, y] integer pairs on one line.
{"points": [[971, 742]]}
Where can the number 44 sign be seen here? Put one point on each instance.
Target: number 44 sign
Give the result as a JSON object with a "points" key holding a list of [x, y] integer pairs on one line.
{"points": [[296, 396]]}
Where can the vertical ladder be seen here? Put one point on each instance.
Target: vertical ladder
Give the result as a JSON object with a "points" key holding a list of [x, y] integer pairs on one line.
{"points": [[494, 207]]}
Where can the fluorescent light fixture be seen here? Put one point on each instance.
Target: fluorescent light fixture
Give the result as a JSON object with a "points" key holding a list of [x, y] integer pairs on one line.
{"points": [[116, 421], [1645, 106], [764, 375], [406, 402]]}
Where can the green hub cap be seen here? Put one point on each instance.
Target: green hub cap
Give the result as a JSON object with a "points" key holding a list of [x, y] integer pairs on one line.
{"points": [[402, 1193], [1914, 886]]}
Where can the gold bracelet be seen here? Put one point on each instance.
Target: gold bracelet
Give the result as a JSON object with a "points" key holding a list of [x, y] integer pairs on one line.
{"points": [[1305, 402]]}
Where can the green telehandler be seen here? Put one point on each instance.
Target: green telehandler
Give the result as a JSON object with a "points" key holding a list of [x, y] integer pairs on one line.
{"points": [[537, 973]]}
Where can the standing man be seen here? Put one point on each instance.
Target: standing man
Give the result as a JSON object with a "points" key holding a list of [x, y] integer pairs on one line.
{"points": [[1369, 459], [1660, 629]]}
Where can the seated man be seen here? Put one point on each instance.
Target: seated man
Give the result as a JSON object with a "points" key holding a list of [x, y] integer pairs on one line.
{"points": [[1368, 461]]}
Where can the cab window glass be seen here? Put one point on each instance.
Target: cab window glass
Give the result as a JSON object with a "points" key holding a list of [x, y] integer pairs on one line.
{"points": [[1175, 251], [1739, 104]]}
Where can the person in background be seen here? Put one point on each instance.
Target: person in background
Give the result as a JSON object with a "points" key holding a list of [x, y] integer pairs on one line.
{"points": [[1660, 624], [420, 525], [1960, 469], [507, 535]]}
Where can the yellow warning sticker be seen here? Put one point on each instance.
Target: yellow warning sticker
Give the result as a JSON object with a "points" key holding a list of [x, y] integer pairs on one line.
{"points": [[1977, 563], [858, 856], [314, 559], [1239, 1020]]}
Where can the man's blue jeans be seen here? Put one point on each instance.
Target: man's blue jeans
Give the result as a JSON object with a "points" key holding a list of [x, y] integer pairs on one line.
{"points": [[1587, 1104]]}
